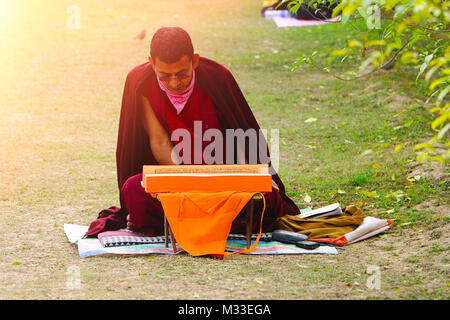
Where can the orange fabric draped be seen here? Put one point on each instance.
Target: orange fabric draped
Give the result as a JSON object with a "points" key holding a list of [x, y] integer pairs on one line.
{"points": [[201, 222]]}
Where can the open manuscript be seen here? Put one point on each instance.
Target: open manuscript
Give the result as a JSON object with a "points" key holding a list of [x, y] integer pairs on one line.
{"points": [[206, 178]]}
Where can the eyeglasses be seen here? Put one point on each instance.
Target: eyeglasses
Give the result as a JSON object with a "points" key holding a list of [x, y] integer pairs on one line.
{"points": [[178, 76]]}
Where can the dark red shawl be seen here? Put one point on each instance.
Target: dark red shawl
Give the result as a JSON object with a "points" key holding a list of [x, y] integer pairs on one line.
{"points": [[133, 147]]}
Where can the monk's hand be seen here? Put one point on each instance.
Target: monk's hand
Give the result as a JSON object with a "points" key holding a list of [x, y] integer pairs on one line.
{"points": [[275, 185]]}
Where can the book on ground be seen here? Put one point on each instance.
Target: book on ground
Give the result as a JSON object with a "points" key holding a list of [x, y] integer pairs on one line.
{"points": [[330, 210]]}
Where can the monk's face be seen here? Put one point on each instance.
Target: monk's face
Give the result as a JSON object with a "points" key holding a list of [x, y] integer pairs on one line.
{"points": [[176, 76]]}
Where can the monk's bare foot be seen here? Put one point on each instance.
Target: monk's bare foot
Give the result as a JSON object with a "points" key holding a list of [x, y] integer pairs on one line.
{"points": [[130, 225]]}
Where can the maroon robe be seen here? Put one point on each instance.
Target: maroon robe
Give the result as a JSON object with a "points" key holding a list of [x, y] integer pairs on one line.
{"points": [[133, 146], [198, 108]]}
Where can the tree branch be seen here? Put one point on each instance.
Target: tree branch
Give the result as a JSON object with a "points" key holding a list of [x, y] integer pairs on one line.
{"points": [[384, 66]]}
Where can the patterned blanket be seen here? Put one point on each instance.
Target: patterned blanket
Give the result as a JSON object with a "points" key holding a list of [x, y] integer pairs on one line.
{"points": [[92, 246]]}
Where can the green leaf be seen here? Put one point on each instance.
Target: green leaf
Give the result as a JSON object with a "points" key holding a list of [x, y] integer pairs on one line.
{"points": [[366, 152], [443, 131], [397, 148], [437, 82], [338, 9], [307, 198], [408, 57], [435, 109], [421, 146], [430, 72], [339, 52], [446, 71], [294, 8], [442, 95], [438, 121], [370, 194], [424, 65], [375, 43], [438, 158], [354, 43], [310, 120]]}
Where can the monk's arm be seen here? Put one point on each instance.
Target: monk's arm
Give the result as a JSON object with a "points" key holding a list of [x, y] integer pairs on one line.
{"points": [[160, 142]]}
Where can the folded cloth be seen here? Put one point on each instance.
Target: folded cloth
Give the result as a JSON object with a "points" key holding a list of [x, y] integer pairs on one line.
{"points": [[201, 222], [352, 226], [325, 227]]}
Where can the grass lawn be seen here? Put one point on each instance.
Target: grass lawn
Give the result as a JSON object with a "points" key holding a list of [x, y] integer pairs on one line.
{"points": [[61, 91]]}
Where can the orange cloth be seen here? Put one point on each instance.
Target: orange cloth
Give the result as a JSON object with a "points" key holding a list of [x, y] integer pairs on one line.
{"points": [[201, 222]]}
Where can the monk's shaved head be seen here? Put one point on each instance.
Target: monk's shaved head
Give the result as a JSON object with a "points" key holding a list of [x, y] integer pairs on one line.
{"points": [[170, 44]]}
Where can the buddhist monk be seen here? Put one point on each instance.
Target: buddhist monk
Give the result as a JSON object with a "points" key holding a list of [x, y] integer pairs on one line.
{"points": [[179, 90]]}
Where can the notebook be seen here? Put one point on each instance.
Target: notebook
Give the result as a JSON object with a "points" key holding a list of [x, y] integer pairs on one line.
{"points": [[125, 237]]}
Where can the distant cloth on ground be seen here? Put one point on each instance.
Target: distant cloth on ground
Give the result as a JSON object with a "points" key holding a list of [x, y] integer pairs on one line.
{"points": [[288, 22], [305, 12]]}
